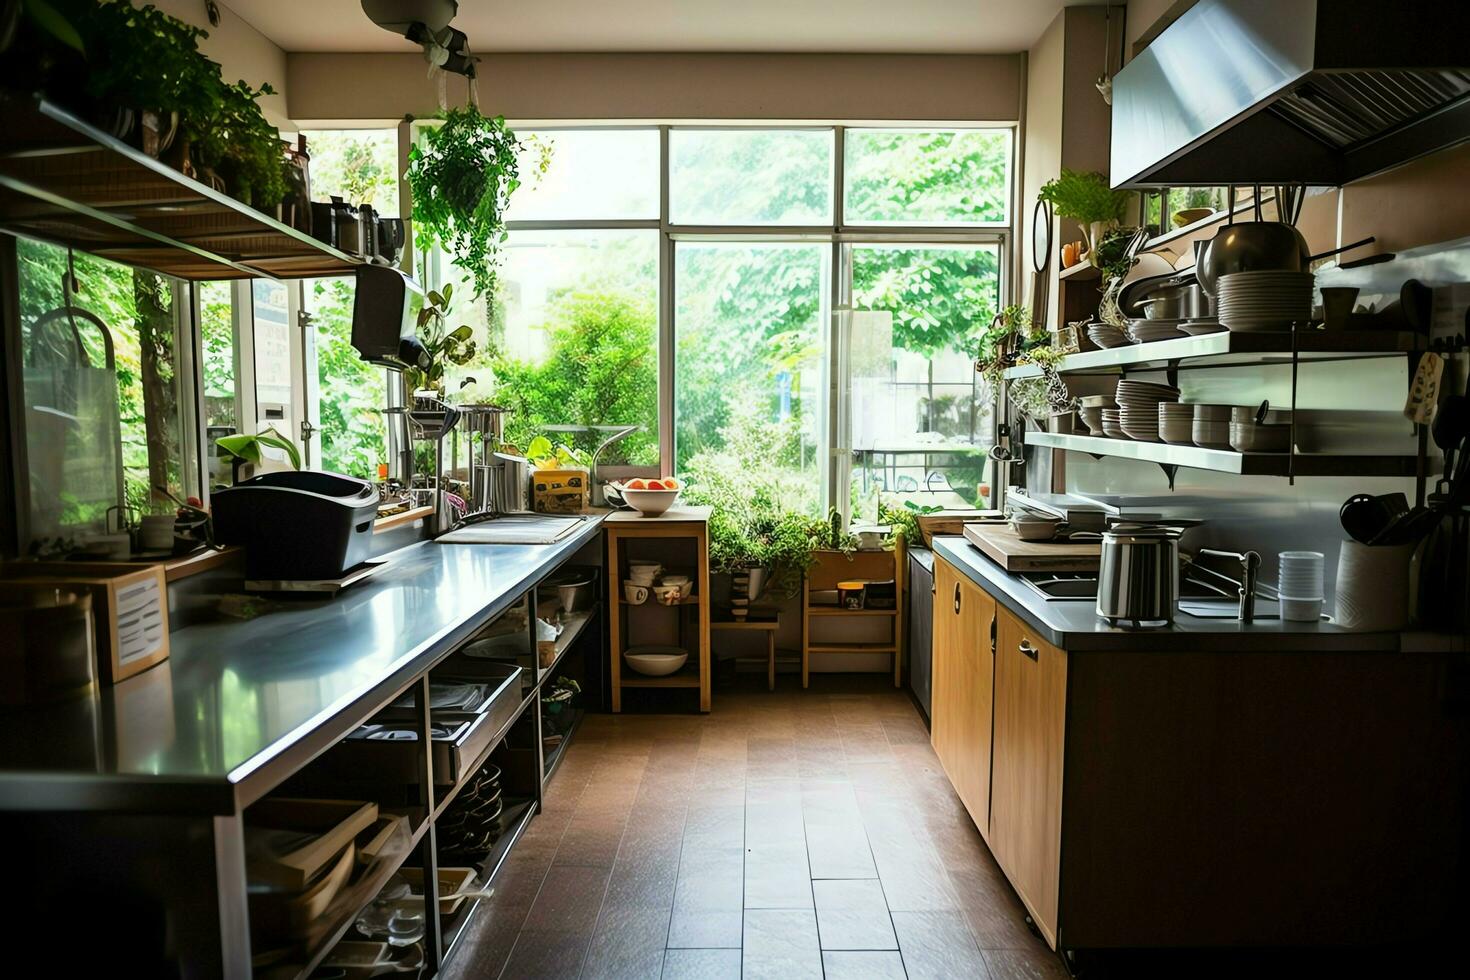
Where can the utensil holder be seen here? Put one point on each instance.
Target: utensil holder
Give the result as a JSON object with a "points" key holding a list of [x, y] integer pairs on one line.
{"points": [[1373, 587]]}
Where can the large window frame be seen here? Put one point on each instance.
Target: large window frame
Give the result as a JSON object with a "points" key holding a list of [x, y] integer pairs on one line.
{"points": [[839, 235]]}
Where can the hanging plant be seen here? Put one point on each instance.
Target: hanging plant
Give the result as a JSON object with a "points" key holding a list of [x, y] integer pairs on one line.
{"points": [[1008, 334], [462, 177], [444, 345]]}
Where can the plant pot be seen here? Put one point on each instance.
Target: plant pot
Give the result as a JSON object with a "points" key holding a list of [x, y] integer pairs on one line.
{"points": [[1093, 232], [156, 131]]}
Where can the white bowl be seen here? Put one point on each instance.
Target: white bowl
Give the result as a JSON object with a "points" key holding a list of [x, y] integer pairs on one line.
{"points": [[655, 661], [649, 503]]}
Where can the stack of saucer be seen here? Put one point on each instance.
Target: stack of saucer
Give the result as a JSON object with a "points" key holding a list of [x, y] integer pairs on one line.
{"points": [[1112, 423], [1264, 300], [1146, 331], [1139, 402], [1107, 335]]}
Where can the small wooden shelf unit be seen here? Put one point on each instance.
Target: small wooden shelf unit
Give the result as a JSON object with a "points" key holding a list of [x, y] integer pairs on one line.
{"points": [[832, 567], [679, 522]]}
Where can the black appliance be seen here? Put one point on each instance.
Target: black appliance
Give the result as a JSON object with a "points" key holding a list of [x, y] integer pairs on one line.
{"points": [[921, 626], [297, 525], [1318, 92], [385, 316]]}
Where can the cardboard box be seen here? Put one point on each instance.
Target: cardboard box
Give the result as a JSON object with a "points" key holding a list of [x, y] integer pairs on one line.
{"points": [[560, 491]]}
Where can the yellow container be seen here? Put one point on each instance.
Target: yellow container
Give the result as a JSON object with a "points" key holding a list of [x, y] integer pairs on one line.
{"points": [[560, 491]]}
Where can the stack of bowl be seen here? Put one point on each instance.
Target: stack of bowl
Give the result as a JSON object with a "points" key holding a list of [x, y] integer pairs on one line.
{"points": [[1139, 402], [1176, 423], [1265, 300], [1090, 407], [1211, 428], [1107, 335], [1248, 436], [1112, 423]]}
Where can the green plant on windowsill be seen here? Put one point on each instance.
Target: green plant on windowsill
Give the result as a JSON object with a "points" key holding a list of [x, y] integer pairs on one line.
{"points": [[904, 519], [442, 344], [544, 456], [241, 450]]}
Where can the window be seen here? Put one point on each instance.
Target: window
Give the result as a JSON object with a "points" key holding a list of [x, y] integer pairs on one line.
{"points": [[935, 177], [732, 314], [750, 176], [107, 406]]}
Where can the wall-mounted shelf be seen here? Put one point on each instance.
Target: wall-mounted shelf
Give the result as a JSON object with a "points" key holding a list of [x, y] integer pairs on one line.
{"points": [[1228, 346], [65, 181], [1081, 270], [1229, 461]]}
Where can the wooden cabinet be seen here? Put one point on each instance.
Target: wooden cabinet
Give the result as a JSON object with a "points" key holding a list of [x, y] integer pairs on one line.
{"points": [[1026, 784], [964, 636]]}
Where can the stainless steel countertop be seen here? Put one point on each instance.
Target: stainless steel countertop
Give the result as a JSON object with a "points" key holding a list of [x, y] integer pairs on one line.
{"points": [[1074, 624], [240, 702]]}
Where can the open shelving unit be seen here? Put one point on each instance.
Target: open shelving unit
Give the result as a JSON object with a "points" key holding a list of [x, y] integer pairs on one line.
{"points": [[1228, 460], [830, 567], [65, 181]]}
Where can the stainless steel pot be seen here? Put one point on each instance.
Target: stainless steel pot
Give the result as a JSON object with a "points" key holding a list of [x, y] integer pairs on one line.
{"points": [[1138, 580]]}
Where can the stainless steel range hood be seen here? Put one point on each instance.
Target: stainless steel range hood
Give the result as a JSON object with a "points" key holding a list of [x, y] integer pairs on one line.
{"points": [[1292, 91]]}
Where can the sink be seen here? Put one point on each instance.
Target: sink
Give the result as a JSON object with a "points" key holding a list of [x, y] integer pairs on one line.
{"points": [[1051, 586]]}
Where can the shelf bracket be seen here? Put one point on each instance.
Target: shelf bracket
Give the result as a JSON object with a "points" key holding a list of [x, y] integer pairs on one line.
{"points": [[1171, 372], [1171, 470]]}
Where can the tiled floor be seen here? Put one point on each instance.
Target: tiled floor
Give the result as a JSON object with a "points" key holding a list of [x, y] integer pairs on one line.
{"points": [[785, 835]]}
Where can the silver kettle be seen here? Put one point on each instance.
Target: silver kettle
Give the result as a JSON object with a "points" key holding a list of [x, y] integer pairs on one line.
{"points": [[1138, 579]]}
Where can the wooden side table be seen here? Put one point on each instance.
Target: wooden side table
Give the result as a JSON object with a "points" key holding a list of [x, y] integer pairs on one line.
{"points": [[831, 567], [768, 626], [624, 528]]}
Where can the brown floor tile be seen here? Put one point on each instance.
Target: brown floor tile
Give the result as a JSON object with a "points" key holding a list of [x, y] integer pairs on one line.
{"points": [[1035, 963], [569, 900], [781, 944], [628, 944], [546, 953], [937, 944], [693, 929], [865, 965], [702, 964], [852, 915]]}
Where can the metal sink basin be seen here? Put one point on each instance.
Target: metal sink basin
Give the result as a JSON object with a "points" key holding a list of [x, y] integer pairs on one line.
{"points": [[1052, 586]]}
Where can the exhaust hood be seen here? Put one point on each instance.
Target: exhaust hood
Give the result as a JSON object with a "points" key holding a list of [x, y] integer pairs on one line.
{"points": [[1318, 92]]}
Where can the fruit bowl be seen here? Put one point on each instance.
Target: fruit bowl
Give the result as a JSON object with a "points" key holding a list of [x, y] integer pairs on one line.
{"points": [[650, 497]]}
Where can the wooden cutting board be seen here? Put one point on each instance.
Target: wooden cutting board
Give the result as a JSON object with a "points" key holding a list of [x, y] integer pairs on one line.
{"points": [[1003, 546]]}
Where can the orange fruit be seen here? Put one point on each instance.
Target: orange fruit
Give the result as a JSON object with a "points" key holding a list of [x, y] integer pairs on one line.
{"points": [[637, 483]]}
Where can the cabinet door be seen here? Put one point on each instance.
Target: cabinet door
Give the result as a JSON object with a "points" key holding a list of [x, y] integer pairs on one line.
{"points": [[1026, 786], [964, 620]]}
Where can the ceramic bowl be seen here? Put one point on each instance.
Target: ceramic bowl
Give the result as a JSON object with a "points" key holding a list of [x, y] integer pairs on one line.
{"points": [[668, 595], [649, 503], [655, 661], [1034, 529]]}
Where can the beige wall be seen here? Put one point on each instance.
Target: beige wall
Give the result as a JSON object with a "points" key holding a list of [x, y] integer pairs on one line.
{"points": [[242, 51], [1043, 143], [986, 88]]}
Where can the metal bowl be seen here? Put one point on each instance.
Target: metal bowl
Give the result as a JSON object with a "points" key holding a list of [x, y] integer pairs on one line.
{"points": [[1252, 246]]}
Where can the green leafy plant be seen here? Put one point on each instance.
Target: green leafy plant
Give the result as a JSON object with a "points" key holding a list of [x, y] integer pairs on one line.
{"points": [[443, 344], [462, 177], [1008, 334], [240, 449], [904, 518], [1084, 196], [544, 456]]}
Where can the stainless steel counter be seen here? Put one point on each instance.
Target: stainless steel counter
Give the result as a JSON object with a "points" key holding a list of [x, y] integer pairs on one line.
{"points": [[242, 702], [1074, 624]]}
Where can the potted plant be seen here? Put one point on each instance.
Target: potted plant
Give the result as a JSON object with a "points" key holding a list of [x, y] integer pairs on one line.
{"points": [[462, 177], [1002, 342], [1086, 198], [443, 345], [245, 452], [1113, 261]]}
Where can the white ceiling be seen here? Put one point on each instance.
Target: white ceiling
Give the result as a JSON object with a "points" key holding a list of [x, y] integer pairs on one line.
{"points": [[859, 26]]}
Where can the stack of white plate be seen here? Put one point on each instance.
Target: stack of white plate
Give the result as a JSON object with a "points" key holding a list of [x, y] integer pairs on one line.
{"points": [[1146, 331], [1176, 423], [1263, 301], [1211, 428], [1139, 403], [1107, 335]]}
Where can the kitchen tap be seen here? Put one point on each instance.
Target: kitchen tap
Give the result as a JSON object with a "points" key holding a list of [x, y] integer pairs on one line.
{"points": [[1250, 568]]}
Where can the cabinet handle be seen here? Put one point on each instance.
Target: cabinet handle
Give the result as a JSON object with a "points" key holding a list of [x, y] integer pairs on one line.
{"points": [[992, 636], [1029, 650], [957, 598]]}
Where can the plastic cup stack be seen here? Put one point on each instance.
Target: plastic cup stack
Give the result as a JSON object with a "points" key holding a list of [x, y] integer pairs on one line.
{"points": [[1300, 585]]}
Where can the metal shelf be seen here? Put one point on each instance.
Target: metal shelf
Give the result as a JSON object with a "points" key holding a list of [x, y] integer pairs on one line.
{"points": [[1229, 461], [65, 181], [1228, 346]]}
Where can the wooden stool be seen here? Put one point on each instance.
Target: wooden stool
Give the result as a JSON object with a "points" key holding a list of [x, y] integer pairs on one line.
{"points": [[768, 626]]}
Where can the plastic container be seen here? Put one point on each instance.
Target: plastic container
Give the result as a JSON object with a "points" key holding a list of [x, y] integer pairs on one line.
{"points": [[851, 595]]}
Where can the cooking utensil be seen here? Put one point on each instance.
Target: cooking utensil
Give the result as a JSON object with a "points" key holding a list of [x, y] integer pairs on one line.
{"points": [[1252, 247], [1138, 574]]}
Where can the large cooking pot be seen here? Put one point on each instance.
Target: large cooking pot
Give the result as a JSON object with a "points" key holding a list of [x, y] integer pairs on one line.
{"points": [[1138, 580], [1252, 246]]}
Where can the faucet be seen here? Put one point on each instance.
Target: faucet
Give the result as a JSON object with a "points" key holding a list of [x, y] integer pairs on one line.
{"points": [[1250, 568]]}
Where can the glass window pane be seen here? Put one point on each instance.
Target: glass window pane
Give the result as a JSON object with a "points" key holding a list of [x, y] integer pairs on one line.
{"points": [[358, 165], [591, 174], [750, 177], [352, 393], [749, 409], [917, 426], [927, 177], [571, 338], [104, 403]]}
